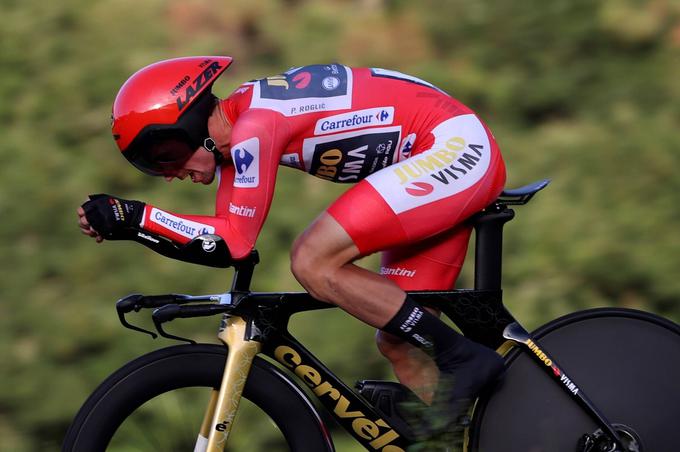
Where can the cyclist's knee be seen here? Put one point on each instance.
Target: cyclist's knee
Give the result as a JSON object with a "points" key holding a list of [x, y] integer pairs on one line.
{"points": [[312, 270], [319, 252], [302, 265]]}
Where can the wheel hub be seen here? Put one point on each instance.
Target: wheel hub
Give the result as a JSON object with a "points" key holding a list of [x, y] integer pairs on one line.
{"points": [[599, 441]]}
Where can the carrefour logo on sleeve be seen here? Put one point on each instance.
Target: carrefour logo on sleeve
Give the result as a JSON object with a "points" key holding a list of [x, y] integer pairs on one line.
{"points": [[182, 226], [355, 120], [246, 158]]}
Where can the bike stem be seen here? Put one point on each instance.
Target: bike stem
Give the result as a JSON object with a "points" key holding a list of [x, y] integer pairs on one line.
{"points": [[515, 332], [243, 273]]}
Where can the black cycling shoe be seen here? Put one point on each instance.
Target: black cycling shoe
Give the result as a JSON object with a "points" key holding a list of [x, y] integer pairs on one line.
{"points": [[398, 405], [466, 370], [464, 375]]}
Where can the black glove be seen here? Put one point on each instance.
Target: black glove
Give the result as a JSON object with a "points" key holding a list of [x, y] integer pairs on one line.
{"points": [[108, 214]]}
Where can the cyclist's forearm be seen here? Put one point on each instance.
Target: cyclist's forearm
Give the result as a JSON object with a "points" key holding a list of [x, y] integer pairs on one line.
{"points": [[182, 228]]}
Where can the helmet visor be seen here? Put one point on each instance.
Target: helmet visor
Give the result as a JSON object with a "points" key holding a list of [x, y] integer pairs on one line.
{"points": [[162, 149], [162, 153]]}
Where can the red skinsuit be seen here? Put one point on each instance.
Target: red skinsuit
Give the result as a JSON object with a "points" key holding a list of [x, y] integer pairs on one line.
{"points": [[422, 163]]}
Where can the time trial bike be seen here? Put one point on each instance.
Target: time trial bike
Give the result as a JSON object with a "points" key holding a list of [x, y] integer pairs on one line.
{"points": [[605, 379]]}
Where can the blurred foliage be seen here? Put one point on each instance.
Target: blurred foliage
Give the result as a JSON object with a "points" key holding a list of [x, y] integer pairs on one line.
{"points": [[583, 92]]}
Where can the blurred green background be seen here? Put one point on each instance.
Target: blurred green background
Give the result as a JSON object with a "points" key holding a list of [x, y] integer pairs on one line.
{"points": [[586, 93]]}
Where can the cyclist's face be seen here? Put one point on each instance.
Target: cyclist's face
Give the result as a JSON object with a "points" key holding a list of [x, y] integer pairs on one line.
{"points": [[200, 168]]}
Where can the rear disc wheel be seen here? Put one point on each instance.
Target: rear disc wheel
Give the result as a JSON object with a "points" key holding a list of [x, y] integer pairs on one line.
{"points": [[624, 360]]}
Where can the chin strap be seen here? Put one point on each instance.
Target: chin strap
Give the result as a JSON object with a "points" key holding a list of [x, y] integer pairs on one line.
{"points": [[210, 146]]}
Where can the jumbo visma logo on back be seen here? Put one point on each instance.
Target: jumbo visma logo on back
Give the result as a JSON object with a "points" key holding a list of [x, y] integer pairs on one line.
{"points": [[459, 158], [451, 162]]}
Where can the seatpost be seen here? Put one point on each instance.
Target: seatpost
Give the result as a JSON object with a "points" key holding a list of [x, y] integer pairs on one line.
{"points": [[489, 245]]}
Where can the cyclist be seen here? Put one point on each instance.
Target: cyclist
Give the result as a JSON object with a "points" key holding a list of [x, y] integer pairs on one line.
{"points": [[421, 161]]}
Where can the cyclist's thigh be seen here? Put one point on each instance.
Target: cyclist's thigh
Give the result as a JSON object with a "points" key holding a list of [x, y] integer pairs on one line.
{"points": [[433, 264], [426, 194]]}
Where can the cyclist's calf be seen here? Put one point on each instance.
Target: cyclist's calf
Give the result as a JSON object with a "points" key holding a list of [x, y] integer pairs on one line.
{"points": [[412, 367], [321, 259]]}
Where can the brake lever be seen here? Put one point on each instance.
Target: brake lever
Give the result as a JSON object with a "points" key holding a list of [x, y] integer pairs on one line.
{"points": [[168, 313], [136, 301], [129, 304]]}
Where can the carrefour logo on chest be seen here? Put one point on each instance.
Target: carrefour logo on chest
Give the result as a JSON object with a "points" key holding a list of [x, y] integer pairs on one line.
{"points": [[246, 158], [355, 120], [185, 228]]}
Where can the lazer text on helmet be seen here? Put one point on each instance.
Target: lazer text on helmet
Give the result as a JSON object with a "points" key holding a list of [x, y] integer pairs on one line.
{"points": [[198, 83]]}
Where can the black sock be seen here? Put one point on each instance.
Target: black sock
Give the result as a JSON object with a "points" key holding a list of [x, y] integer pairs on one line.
{"points": [[473, 363], [419, 327]]}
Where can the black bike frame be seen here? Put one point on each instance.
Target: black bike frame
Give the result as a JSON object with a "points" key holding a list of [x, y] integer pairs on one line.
{"points": [[479, 313]]}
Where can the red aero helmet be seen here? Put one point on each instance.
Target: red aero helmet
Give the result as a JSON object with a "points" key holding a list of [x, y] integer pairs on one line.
{"points": [[160, 114]]}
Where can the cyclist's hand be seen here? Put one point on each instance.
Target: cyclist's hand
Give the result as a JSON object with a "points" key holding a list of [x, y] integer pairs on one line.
{"points": [[85, 227], [104, 215]]}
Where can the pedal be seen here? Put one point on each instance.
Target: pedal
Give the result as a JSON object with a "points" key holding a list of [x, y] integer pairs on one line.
{"points": [[387, 397]]}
